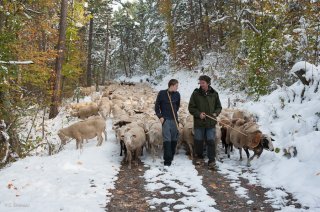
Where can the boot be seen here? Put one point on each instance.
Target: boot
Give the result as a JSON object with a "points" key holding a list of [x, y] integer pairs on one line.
{"points": [[211, 151], [173, 148], [167, 153], [198, 148]]}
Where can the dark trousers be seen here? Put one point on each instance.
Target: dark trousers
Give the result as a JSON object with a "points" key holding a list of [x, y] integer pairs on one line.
{"points": [[170, 136], [208, 135]]}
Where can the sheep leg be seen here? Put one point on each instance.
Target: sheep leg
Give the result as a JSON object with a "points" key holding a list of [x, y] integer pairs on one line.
{"points": [[240, 152], [191, 151], [228, 150], [129, 158], [247, 152], [248, 155], [121, 147], [178, 147], [153, 152], [141, 151], [105, 135], [225, 146], [100, 139], [137, 153]]}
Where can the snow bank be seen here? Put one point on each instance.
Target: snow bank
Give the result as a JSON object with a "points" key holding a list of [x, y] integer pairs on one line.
{"points": [[294, 121], [68, 181]]}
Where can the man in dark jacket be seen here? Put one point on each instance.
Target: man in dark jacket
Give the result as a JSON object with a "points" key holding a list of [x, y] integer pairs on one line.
{"points": [[204, 101], [168, 119]]}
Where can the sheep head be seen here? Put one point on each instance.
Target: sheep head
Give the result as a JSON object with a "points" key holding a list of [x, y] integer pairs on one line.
{"points": [[267, 142], [62, 137]]}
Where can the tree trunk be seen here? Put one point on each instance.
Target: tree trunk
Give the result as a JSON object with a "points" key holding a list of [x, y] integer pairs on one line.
{"points": [[58, 66], [106, 55], [89, 68], [2, 17], [123, 56], [207, 26], [201, 22]]}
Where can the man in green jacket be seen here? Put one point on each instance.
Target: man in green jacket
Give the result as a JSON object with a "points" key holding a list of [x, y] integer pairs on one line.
{"points": [[205, 101]]}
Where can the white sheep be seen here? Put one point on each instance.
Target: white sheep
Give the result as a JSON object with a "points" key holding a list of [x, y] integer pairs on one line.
{"points": [[87, 129]]}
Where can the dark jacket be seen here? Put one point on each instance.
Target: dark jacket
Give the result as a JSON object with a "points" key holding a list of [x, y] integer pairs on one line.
{"points": [[162, 106], [209, 102]]}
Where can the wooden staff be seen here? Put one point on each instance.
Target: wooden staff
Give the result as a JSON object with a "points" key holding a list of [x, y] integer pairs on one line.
{"points": [[225, 124]]}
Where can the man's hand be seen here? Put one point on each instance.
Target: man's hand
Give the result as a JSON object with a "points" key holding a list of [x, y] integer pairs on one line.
{"points": [[203, 115], [161, 120]]}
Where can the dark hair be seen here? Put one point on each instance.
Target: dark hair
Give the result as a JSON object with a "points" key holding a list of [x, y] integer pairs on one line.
{"points": [[205, 78], [172, 82]]}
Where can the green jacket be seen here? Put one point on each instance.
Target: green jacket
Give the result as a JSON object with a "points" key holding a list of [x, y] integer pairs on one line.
{"points": [[204, 102]]}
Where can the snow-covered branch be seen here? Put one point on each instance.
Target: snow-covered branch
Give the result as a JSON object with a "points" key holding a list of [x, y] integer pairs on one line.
{"points": [[221, 19], [27, 62], [251, 26]]}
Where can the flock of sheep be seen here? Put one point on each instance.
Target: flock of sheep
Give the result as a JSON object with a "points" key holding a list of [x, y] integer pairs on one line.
{"points": [[137, 127]]}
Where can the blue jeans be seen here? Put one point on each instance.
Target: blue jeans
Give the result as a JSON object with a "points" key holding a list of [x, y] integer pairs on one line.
{"points": [[170, 136], [208, 135]]}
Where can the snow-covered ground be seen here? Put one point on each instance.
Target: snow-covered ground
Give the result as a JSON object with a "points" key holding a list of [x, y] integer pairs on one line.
{"points": [[181, 179], [68, 181]]}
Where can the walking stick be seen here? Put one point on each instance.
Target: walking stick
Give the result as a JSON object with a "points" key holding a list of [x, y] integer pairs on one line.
{"points": [[226, 125]]}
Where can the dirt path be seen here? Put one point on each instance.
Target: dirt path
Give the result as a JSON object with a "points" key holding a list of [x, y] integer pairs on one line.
{"points": [[227, 200], [130, 193]]}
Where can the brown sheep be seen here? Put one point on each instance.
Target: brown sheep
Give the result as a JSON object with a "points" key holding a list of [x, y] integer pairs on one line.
{"points": [[249, 138]]}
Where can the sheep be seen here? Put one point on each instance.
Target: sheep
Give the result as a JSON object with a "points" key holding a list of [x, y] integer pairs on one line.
{"points": [[77, 106], [134, 140], [154, 134], [117, 111], [105, 109], [187, 134], [180, 138], [249, 138], [86, 111], [120, 129], [87, 129], [95, 97], [224, 123], [243, 115], [217, 139], [86, 91]]}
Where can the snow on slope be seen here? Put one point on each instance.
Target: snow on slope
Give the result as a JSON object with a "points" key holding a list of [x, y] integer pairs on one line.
{"points": [[294, 121], [70, 180]]}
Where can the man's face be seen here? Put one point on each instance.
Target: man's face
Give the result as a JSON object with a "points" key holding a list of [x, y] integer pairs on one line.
{"points": [[175, 87], [203, 84]]}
